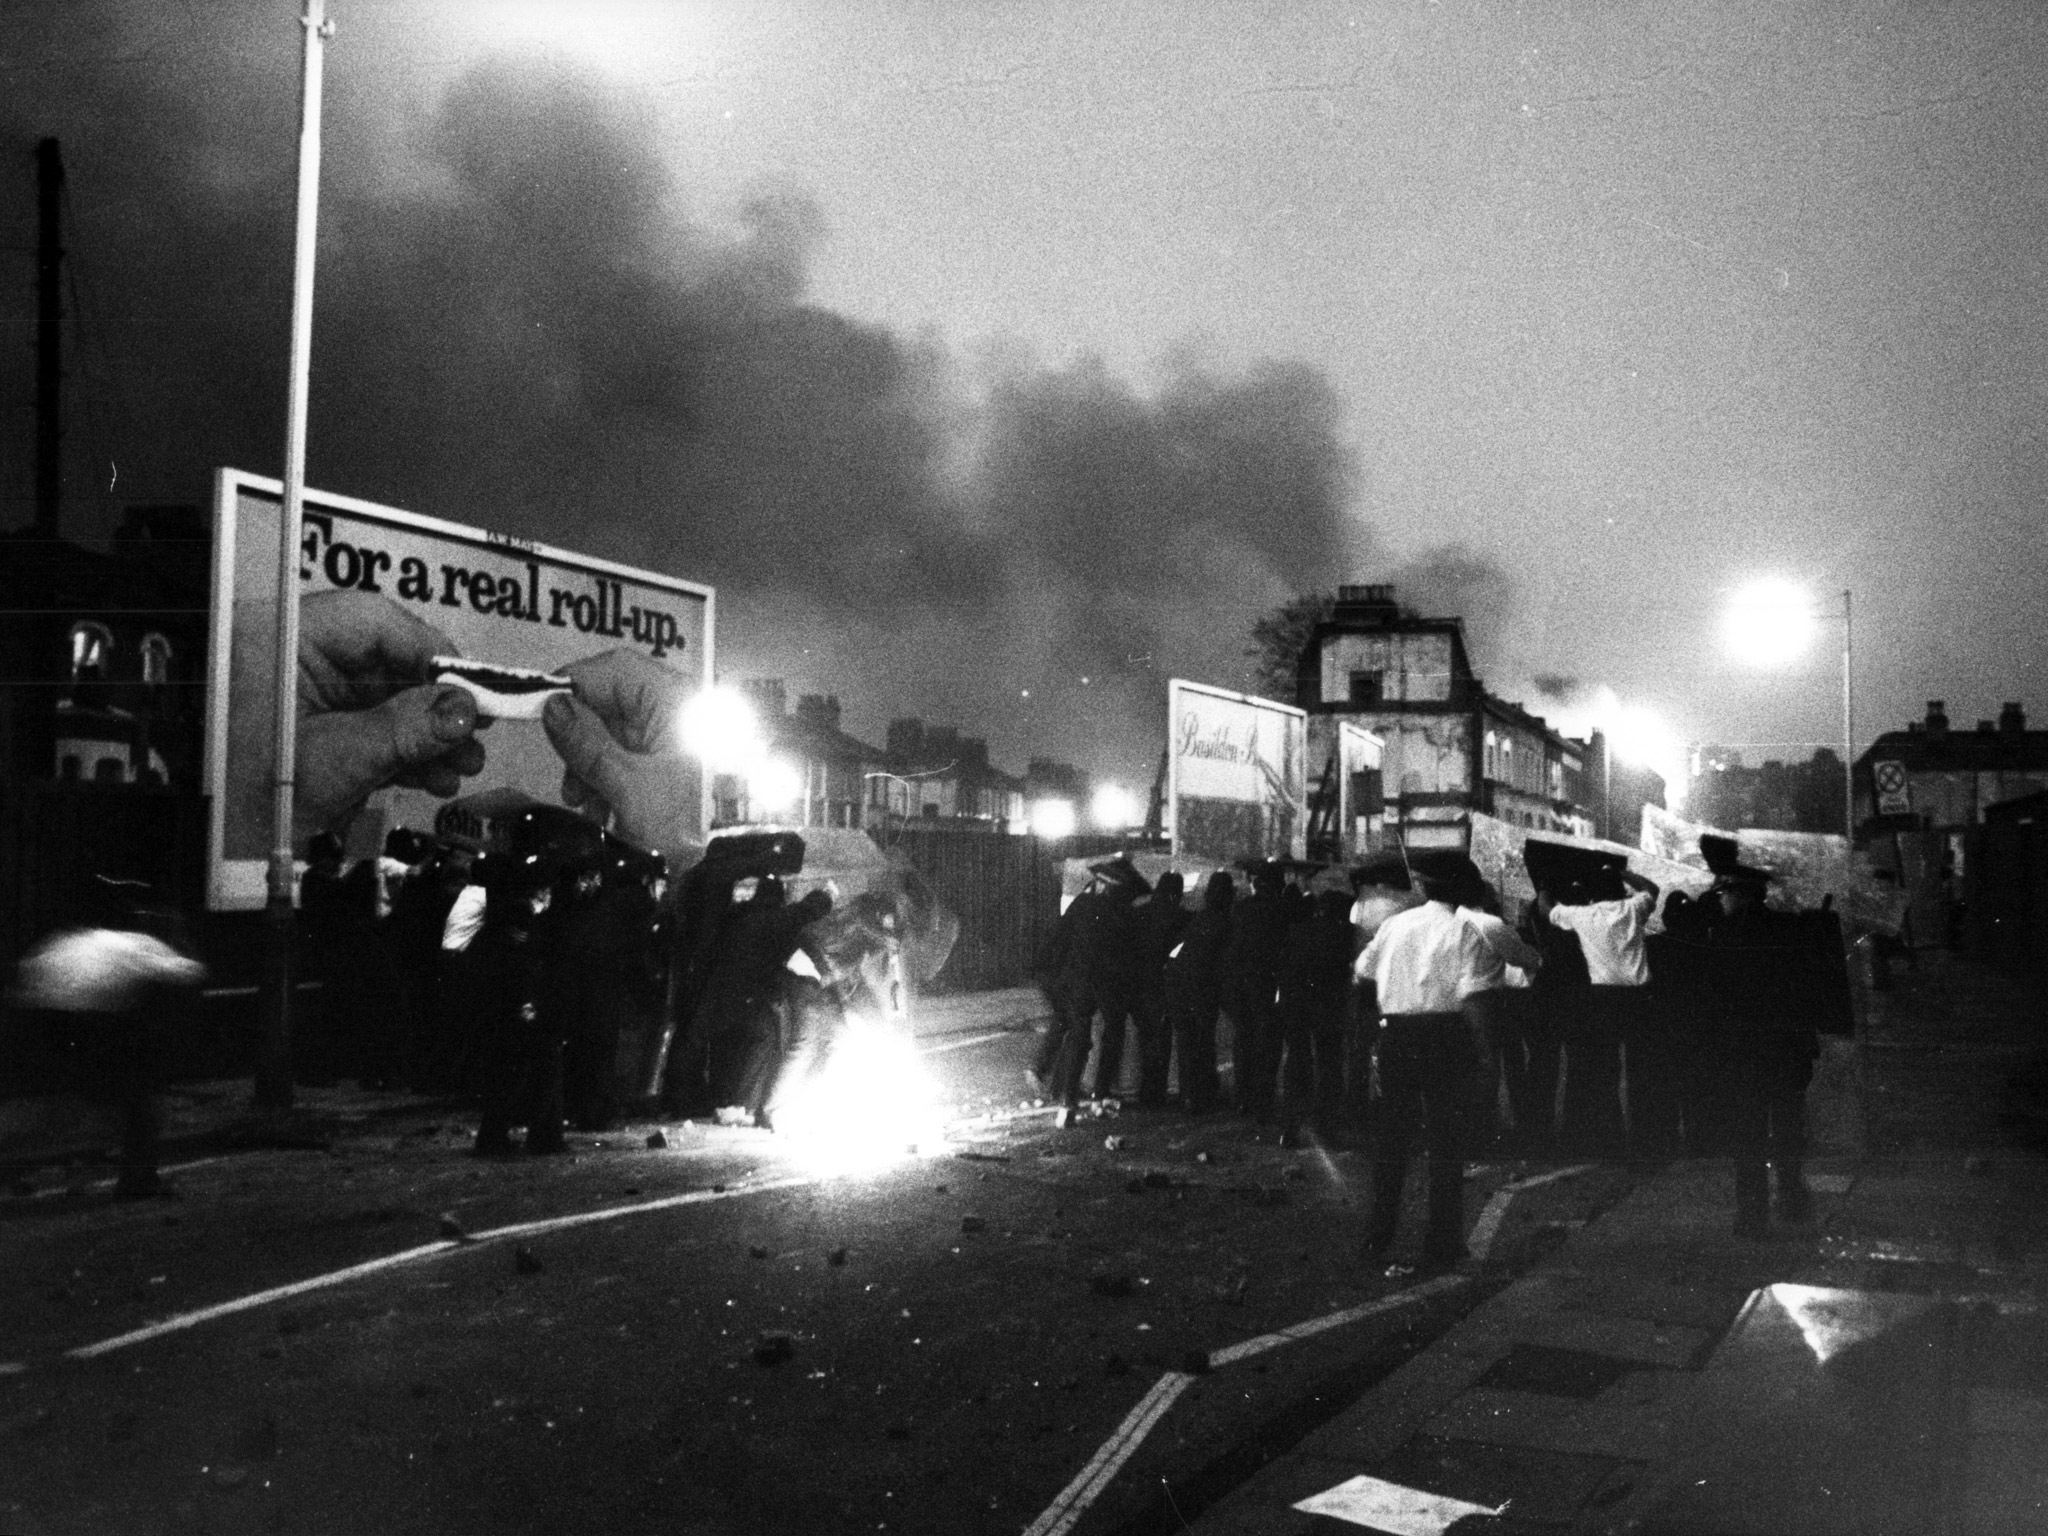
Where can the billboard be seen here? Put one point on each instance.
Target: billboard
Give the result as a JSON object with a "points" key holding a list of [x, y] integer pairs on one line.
{"points": [[1237, 776], [497, 599]]}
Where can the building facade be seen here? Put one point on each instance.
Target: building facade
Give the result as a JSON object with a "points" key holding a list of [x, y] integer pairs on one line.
{"points": [[1931, 776], [1449, 747]]}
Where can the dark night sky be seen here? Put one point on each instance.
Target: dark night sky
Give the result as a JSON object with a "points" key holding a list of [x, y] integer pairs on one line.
{"points": [[998, 361]]}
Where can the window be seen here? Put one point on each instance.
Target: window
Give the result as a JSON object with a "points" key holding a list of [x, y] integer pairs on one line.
{"points": [[156, 660], [92, 651], [1368, 687], [1492, 755]]}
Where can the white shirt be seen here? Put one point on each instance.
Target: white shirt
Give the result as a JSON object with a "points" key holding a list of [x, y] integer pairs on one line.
{"points": [[1611, 934], [1423, 960], [1377, 903], [464, 919], [1508, 960]]}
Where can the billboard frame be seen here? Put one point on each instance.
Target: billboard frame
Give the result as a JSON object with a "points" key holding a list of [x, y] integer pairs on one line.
{"points": [[240, 884], [1177, 686]]}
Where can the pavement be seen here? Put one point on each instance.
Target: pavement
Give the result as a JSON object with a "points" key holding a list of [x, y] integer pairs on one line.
{"points": [[1881, 1368]]}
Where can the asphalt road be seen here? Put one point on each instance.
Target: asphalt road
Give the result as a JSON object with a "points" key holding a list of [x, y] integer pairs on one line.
{"points": [[723, 1334]]}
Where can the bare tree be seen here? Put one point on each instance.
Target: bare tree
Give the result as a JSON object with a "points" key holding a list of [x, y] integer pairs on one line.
{"points": [[1279, 637]]}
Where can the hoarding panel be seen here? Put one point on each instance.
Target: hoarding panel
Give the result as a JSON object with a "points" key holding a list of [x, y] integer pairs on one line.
{"points": [[1237, 775], [497, 599]]}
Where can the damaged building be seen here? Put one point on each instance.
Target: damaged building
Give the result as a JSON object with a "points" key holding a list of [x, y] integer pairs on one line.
{"points": [[1450, 747]]}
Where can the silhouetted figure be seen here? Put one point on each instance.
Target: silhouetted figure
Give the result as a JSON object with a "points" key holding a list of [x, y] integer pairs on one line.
{"points": [[1192, 983]]}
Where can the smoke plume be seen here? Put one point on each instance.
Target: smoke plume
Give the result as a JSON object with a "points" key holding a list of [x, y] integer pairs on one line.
{"points": [[521, 325]]}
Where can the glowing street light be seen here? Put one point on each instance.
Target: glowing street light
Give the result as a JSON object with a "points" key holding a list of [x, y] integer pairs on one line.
{"points": [[1637, 736], [1112, 808], [718, 726], [1052, 819], [1771, 621], [773, 784]]}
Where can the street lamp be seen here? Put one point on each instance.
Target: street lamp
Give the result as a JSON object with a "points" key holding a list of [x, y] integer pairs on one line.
{"points": [[1770, 622]]}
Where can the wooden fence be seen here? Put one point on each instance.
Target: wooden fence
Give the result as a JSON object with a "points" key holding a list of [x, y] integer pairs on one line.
{"points": [[1006, 893]]}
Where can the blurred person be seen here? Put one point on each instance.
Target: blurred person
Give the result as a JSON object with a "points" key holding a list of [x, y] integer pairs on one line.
{"points": [[1421, 965], [118, 983], [1501, 1008], [1765, 1033], [606, 936], [744, 999], [1162, 921], [519, 1047], [1192, 988], [1251, 992], [1314, 998], [1117, 970], [417, 927], [1611, 923], [1066, 978]]}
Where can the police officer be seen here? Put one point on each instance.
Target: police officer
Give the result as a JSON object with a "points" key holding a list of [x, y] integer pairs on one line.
{"points": [[548, 862], [520, 1054], [1610, 918], [1763, 1000], [1315, 994], [1192, 986], [1258, 942], [1118, 965], [1162, 921], [1421, 964], [749, 985]]}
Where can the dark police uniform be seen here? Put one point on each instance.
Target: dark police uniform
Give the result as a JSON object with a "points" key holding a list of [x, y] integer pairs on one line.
{"points": [[1258, 944], [1192, 982]]}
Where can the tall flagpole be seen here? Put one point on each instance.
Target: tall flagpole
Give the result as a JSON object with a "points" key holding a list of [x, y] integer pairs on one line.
{"points": [[273, 1065]]}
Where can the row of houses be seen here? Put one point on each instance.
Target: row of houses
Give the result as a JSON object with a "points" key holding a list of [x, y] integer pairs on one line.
{"points": [[928, 775]]}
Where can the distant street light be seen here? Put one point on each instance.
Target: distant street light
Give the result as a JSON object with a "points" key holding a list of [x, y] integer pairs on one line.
{"points": [[1052, 819], [1640, 738], [1770, 622], [718, 726], [1112, 808]]}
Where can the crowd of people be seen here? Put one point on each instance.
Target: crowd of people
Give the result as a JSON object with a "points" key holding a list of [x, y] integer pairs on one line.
{"points": [[558, 974], [1611, 1020]]}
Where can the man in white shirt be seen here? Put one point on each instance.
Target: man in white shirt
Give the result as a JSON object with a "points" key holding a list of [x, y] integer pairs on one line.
{"points": [[1612, 927], [1421, 964]]}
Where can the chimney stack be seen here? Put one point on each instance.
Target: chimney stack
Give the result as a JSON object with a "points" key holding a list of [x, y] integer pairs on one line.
{"points": [[1937, 719], [2012, 720]]}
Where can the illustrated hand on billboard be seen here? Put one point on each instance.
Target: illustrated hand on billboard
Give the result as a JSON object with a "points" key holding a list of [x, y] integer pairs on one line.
{"points": [[621, 753], [367, 718]]}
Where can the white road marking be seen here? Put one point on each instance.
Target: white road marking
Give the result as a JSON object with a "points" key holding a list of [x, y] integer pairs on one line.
{"points": [[68, 1189], [192, 1319], [1389, 1507], [1495, 1211], [1246, 1348], [1075, 1498], [11, 1368]]}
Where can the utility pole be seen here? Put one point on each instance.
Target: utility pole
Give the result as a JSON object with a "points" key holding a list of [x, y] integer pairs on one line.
{"points": [[1848, 733], [273, 1064], [49, 338]]}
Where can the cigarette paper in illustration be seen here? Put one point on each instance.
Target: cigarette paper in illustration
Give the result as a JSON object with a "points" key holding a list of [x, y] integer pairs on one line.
{"points": [[503, 693]]}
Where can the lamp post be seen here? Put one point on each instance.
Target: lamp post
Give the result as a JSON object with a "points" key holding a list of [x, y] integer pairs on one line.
{"points": [[273, 1064], [1770, 622], [1848, 727]]}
